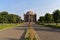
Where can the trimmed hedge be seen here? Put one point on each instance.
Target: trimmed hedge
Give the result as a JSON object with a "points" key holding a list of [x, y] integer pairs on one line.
{"points": [[28, 35]]}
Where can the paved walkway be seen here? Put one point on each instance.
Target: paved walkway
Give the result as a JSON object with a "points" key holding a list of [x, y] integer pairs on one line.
{"points": [[47, 33], [17, 33]]}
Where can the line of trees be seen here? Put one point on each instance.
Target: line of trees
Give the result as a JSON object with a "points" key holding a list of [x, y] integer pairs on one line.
{"points": [[5, 17], [50, 18]]}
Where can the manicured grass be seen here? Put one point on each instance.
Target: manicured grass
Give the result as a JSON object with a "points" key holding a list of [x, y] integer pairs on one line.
{"points": [[31, 34], [53, 25], [4, 26]]}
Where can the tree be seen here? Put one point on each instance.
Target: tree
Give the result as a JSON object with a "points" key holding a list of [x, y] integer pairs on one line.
{"points": [[41, 19], [4, 13], [14, 18], [56, 16], [5, 17], [48, 17]]}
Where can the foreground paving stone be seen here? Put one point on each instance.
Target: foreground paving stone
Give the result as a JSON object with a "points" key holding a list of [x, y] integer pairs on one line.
{"points": [[47, 33], [44, 33], [11, 34]]}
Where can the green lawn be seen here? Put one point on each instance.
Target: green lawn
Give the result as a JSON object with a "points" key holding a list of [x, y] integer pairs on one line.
{"points": [[28, 36], [52, 25], [4, 26]]}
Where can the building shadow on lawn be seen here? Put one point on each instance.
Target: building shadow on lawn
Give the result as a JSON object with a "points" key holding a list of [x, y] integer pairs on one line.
{"points": [[45, 28], [50, 30], [23, 27]]}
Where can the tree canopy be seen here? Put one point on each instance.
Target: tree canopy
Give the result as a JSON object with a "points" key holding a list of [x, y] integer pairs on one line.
{"points": [[54, 17], [5, 17], [41, 19], [48, 17]]}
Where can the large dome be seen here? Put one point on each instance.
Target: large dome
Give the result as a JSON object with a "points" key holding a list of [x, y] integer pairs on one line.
{"points": [[29, 12]]}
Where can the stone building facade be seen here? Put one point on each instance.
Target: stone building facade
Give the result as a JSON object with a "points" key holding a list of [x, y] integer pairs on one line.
{"points": [[30, 17]]}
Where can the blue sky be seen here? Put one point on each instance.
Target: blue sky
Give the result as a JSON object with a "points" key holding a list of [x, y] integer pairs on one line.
{"points": [[19, 7]]}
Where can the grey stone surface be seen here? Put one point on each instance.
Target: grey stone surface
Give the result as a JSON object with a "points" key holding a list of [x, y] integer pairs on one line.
{"points": [[47, 33], [13, 33], [17, 33]]}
